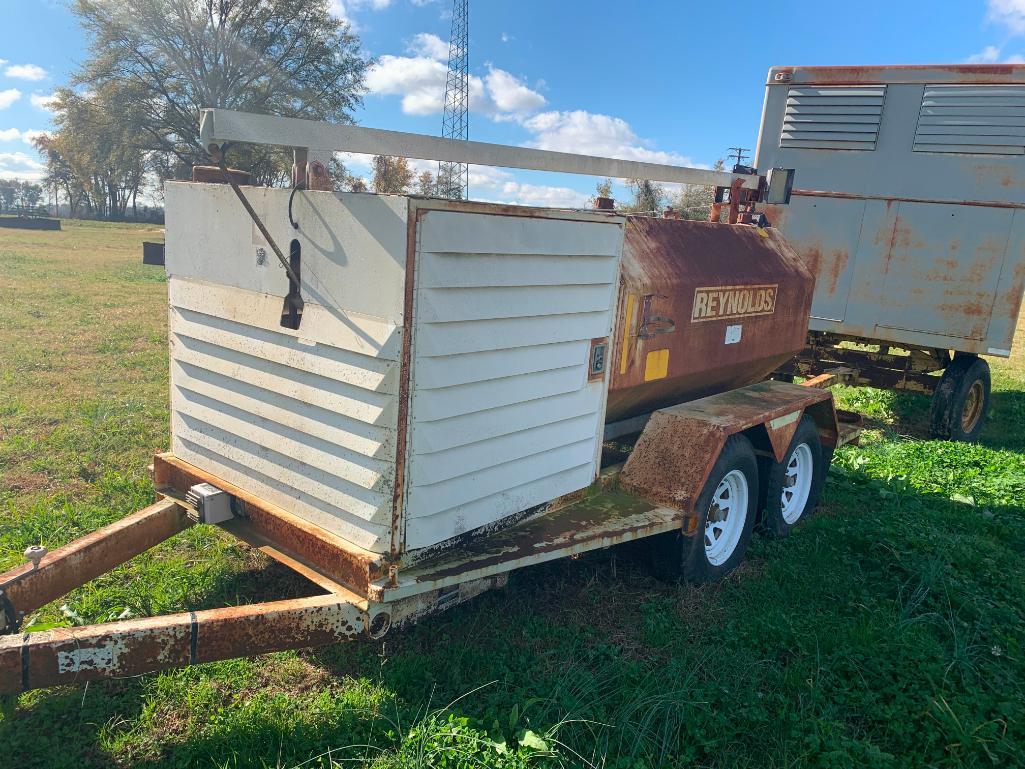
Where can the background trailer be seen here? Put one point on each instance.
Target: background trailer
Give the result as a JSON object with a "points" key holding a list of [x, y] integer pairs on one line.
{"points": [[909, 207]]}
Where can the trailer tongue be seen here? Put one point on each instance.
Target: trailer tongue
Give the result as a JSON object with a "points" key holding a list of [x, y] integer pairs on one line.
{"points": [[414, 403]]}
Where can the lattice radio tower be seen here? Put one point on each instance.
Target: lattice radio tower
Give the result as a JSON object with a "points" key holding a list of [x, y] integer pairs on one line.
{"points": [[454, 178]]}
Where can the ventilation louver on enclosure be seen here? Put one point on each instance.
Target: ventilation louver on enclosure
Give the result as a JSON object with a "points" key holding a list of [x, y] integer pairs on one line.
{"points": [[972, 119], [833, 117]]}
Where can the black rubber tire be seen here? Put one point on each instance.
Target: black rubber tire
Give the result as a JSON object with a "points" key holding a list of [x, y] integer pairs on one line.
{"points": [[772, 522], [677, 557], [952, 396]]}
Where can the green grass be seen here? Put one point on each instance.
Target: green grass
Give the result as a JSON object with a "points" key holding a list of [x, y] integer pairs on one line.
{"points": [[886, 632]]}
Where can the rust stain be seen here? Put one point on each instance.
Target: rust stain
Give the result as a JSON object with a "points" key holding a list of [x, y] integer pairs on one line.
{"points": [[133, 647], [837, 265]]}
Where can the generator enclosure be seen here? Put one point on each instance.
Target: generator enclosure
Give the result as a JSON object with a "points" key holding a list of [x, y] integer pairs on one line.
{"points": [[451, 367], [908, 200]]}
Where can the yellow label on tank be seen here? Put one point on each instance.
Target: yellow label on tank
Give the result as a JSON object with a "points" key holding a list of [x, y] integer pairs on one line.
{"points": [[656, 365]]}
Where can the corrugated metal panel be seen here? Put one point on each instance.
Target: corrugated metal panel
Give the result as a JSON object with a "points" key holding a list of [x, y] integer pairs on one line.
{"points": [[976, 120], [833, 117], [502, 415]]}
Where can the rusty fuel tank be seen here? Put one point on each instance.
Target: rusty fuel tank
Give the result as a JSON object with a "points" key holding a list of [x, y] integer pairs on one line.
{"points": [[704, 308]]}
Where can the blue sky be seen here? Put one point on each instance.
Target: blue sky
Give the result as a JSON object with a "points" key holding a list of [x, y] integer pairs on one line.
{"points": [[674, 82]]}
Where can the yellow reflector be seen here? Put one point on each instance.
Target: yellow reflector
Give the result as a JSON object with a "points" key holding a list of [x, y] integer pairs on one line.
{"points": [[656, 365]]}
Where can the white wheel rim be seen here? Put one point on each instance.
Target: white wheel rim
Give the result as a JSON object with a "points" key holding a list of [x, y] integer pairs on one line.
{"points": [[727, 514], [796, 484]]}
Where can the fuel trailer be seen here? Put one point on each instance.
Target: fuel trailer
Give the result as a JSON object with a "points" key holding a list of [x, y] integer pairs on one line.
{"points": [[404, 399]]}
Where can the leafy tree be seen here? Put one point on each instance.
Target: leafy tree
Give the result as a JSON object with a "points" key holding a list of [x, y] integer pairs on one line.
{"points": [[8, 193], [695, 201], [603, 189], [648, 196], [426, 185], [175, 57], [95, 143], [391, 174]]}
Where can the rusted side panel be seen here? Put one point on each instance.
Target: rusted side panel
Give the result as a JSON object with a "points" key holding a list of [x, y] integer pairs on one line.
{"points": [[120, 649], [330, 554], [674, 455], [27, 588], [706, 308]]}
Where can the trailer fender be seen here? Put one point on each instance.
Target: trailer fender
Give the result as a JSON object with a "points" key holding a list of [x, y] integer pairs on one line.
{"points": [[673, 457]]}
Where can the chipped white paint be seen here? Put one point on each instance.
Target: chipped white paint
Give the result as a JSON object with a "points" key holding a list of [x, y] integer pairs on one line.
{"points": [[102, 658], [783, 421]]}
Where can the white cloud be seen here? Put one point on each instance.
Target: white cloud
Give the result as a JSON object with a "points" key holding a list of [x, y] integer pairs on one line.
{"points": [[420, 81], [8, 97], [343, 9], [18, 165], [43, 101], [13, 134], [510, 94], [505, 38], [431, 46], [26, 72], [1008, 13], [594, 134], [992, 54]]}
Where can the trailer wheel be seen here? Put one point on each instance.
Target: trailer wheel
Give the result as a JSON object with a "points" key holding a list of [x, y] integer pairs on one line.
{"points": [[726, 507], [960, 404], [793, 486]]}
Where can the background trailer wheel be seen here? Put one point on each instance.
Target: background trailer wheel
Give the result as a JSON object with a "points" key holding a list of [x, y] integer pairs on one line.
{"points": [[793, 486], [726, 511], [960, 404]]}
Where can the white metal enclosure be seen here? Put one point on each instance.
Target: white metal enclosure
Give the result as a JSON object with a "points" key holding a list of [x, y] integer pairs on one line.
{"points": [[411, 405]]}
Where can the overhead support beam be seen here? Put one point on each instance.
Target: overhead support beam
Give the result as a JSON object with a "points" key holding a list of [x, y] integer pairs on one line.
{"points": [[219, 126]]}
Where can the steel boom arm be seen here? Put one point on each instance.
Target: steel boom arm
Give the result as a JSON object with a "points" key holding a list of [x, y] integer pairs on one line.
{"points": [[221, 126]]}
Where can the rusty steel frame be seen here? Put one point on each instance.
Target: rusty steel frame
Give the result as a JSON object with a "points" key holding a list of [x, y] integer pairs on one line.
{"points": [[28, 587], [119, 649], [288, 538], [914, 372], [664, 475]]}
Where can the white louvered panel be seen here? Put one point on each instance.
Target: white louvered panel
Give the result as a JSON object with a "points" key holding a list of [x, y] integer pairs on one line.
{"points": [[975, 120], [502, 416], [302, 423], [833, 117]]}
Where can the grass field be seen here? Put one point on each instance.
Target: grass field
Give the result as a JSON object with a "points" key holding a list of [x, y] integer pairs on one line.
{"points": [[888, 631]]}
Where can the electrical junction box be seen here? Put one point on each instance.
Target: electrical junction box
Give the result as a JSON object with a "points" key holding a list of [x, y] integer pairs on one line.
{"points": [[211, 505]]}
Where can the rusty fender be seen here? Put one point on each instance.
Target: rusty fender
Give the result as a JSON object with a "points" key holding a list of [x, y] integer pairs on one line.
{"points": [[119, 649], [679, 446]]}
